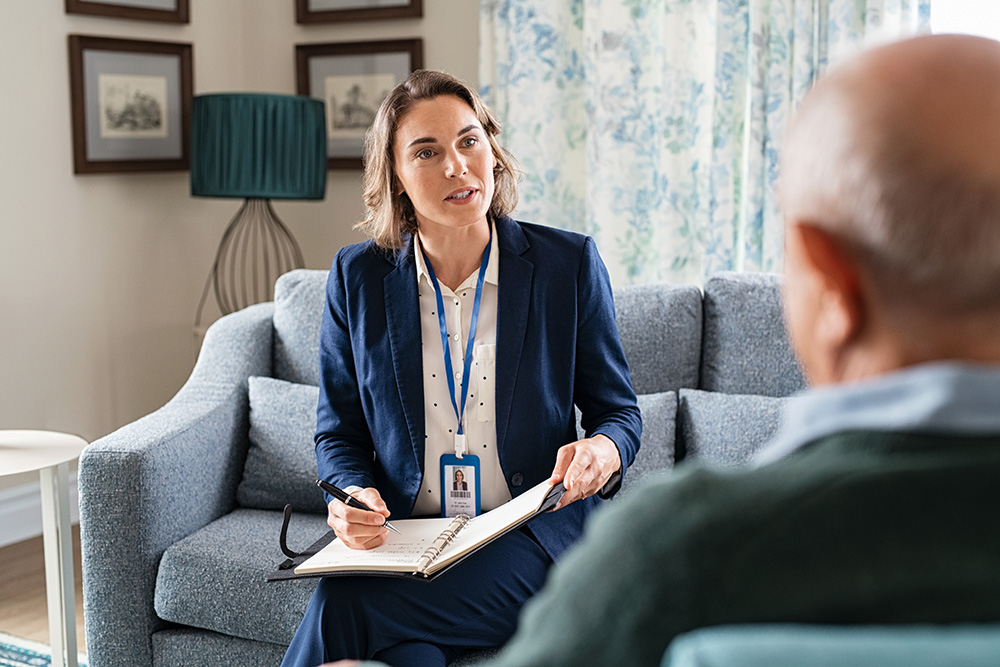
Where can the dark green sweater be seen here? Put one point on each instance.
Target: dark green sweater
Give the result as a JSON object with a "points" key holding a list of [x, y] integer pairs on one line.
{"points": [[857, 528]]}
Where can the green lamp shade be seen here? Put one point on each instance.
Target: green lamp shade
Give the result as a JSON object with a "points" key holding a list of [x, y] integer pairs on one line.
{"points": [[254, 145]]}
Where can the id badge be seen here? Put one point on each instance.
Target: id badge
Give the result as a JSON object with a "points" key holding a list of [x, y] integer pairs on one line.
{"points": [[460, 485]]}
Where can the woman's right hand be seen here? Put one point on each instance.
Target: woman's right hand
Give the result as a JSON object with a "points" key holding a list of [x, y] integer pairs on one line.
{"points": [[359, 529]]}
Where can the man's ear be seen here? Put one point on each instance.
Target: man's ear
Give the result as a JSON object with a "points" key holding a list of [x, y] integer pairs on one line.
{"points": [[840, 312]]}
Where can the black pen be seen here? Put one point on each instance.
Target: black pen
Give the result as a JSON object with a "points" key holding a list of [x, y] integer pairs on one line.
{"points": [[349, 500]]}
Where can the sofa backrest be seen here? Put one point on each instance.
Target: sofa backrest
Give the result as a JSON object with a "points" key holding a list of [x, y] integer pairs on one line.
{"points": [[299, 298], [692, 357], [745, 347], [660, 327]]}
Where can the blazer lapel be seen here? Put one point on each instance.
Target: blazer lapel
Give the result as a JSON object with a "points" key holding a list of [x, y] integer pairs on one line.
{"points": [[402, 312], [513, 304]]}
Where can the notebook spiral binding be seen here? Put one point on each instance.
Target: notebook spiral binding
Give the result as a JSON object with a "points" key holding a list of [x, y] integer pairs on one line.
{"points": [[442, 541]]}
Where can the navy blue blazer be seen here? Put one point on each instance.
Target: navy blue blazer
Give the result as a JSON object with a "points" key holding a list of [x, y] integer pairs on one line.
{"points": [[557, 345]]}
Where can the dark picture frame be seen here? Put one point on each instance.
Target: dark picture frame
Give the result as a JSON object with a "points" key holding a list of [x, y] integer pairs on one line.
{"points": [[172, 11], [130, 104], [336, 11], [352, 79]]}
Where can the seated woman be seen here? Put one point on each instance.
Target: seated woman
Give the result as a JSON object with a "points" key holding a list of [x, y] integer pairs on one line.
{"points": [[457, 338]]}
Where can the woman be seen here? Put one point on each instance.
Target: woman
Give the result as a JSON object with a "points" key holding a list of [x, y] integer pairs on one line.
{"points": [[457, 335], [460, 484]]}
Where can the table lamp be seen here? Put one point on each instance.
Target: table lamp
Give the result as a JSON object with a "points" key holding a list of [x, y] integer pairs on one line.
{"points": [[256, 147]]}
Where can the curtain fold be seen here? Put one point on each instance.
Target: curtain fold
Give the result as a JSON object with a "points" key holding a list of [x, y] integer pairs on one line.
{"points": [[655, 125]]}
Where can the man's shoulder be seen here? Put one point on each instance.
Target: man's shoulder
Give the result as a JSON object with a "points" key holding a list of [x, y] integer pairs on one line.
{"points": [[884, 449], [807, 536], [704, 497], [878, 467]]}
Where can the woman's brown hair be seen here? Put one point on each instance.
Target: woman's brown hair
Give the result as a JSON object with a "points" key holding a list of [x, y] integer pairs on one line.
{"points": [[390, 217]]}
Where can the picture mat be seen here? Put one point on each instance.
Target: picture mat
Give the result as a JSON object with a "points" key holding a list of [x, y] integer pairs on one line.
{"points": [[396, 63], [97, 62]]}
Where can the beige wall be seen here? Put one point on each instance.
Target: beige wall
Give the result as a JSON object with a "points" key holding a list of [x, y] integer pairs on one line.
{"points": [[100, 275]]}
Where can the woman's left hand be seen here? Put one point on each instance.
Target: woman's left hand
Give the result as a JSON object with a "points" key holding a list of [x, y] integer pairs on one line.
{"points": [[584, 467]]}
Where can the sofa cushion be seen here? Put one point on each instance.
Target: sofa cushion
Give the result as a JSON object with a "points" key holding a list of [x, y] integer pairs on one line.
{"points": [[745, 348], [725, 429], [836, 646], [281, 461], [183, 647], [299, 298], [656, 446], [660, 328], [214, 579]]}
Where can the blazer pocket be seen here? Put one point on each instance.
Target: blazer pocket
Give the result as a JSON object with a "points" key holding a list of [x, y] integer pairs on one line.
{"points": [[484, 361]]}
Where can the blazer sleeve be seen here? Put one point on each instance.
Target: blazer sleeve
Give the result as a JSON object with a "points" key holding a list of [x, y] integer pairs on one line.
{"points": [[602, 386], [344, 444]]}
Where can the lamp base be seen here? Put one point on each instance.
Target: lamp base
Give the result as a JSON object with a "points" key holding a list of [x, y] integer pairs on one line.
{"points": [[255, 249]]}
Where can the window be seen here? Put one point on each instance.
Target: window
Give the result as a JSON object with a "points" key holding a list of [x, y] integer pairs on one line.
{"points": [[973, 17]]}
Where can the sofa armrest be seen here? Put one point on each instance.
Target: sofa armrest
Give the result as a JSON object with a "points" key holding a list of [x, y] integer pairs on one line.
{"points": [[788, 645], [161, 478]]}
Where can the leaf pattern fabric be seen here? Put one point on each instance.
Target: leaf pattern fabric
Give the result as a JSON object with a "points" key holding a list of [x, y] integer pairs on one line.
{"points": [[655, 125]]}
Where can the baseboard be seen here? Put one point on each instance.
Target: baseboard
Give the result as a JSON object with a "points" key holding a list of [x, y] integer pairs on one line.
{"points": [[21, 511]]}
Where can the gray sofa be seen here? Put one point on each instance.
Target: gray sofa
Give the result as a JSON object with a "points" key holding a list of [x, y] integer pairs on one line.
{"points": [[180, 511]]}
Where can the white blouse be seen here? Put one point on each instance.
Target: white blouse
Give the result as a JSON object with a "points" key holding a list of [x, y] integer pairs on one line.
{"points": [[439, 415]]}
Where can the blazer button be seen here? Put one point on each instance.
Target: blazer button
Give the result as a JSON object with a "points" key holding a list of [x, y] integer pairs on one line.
{"points": [[517, 479]]}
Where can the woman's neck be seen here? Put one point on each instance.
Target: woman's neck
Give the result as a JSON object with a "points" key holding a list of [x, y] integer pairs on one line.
{"points": [[455, 254]]}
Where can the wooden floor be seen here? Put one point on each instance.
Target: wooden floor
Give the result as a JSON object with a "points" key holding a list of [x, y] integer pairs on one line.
{"points": [[23, 611]]}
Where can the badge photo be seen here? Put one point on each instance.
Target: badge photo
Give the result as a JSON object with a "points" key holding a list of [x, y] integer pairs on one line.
{"points": [[460, 485]]}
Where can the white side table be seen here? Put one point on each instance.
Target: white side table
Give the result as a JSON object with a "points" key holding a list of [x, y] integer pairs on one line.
{"points": [[50, 454]]}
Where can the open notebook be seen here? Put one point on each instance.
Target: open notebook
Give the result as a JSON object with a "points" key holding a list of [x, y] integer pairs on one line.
{"points": [[426, 547]]}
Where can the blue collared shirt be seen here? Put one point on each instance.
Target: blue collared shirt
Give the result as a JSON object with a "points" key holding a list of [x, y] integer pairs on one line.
{"points": [[936, 398]]}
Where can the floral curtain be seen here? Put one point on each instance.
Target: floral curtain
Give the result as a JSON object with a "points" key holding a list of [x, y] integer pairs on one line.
{"points": [[655, 125]]}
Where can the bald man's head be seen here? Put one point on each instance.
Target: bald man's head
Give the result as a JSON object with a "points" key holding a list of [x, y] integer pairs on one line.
{"points": [[897, 155]]}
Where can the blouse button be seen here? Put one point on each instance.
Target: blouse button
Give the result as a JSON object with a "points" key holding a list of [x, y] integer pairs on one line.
{"points": [[517, 479]]}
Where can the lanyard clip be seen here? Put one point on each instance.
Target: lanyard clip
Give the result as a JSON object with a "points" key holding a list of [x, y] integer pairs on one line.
{"points": [[459, 444]]}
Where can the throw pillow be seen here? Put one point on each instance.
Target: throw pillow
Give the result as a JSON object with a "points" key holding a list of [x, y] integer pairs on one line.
{"points": [[656, 445], [281, 462], [725, 429]]}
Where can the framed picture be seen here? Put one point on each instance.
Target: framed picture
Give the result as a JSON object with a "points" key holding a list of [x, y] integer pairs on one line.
{"points": [[171, 11], [332, 11], [352, 79], [131, 104]]}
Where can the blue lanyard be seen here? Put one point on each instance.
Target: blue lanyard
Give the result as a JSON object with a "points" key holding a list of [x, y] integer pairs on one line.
{"points": [[442, 322]]}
